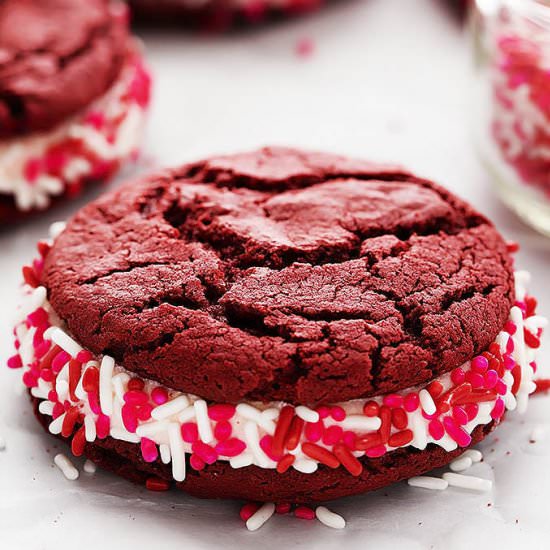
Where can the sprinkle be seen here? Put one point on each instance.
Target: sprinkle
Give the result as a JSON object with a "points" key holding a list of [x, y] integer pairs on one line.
{"points": [[56, 425], [427, 482], [361, 423], [46, 407], [427, 402], [165, 455], [203, 422], [177, 452], [255, 521], [105, 389], [90, 429], [307, 414], [157, 484], [248, 510], [474, 454], [66, 466], [124, 435], [153, 430], [468, 482], [320, 454], [281, 430], [330, 519], [253, 443], [283, 508], [65, 342], [305, 465], [304, 512], [285, 463], [347, 459], [461, 463], [90, 467], [56, 229], [241, 461], [170, 408]]}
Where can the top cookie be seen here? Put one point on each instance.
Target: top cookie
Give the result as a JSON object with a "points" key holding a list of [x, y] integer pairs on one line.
{"points": [[281, 274], [56, 56]]}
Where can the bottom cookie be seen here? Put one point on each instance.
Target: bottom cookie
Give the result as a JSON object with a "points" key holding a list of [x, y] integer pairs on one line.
{"points": [[220, 480]]}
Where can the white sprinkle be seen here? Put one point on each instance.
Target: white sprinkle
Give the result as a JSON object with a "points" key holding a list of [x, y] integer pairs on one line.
{"points": [[90, 467], [119, 382], [241, 461], [305, 465], [266, 424], [253, 443], [537, 434], [165, 455], [427, 402], [89, 429], [270, 414], [186, 415], [66, 466], [40, 392], [461, 463], [56, 425], [153, 430], [468, 482], [79, 390], [427, 482], [2, 444], [361, 423], [330, 519], [177, 452], [203, 422], [62, 389], [535, 322], [65, 342], [420, 431], [46, 407], [306, 414], [170, 408], [124, 435], [256, 520], [105, 381], [56, 229], [474, 454]]}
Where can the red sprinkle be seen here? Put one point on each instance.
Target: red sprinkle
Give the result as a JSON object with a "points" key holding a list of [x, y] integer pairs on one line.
{"points": [[320, 454], [314, 431], [248, 510], [401, 438], [436, 429], [399, 418], [136, 384], [157, 484], [411, 402], [385, 428], [338, 413], [304, 512], [281, 430], [543, 385], [78, 442], [371, 408], [368, 442], [69, 421], [347, 459], [294, 433], [285, 463], [283, 508]]}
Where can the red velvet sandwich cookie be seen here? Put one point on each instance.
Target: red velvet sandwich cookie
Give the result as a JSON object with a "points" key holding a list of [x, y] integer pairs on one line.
{"points": [[217, 15], [73, 94], [276, 326]]}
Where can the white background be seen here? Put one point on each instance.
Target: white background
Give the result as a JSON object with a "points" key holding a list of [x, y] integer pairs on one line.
{"points": [[389, 80]]}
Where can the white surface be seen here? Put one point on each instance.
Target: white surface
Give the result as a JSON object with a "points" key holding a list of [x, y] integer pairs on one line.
{"points": [[388, 81]]}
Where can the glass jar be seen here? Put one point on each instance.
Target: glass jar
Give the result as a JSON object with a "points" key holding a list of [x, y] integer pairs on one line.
{"points": [[512, 62]]}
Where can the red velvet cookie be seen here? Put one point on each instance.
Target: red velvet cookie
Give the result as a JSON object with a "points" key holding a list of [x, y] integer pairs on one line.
{"points": [[276, 325], [73, 91], [217, 15]]}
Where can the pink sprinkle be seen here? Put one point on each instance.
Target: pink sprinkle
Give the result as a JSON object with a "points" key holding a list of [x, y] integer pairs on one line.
{"points": [[135, 397], [283, 507], [41, 349], [510, 346], [248, 510], [37, 317], [338, 413], [411, 402], [266, 443], [15, 362], [510, 327], [456, 432], [459, 414], [149, 450], [95, 119], [476, 379], [189, 432], [46, 375], [197, 463], [480, 364], [223, 430], [491, 379], [314, 431], [458, 376], [205, 452], [304, 512], [498, 409], [231, 447], [436, 429], [349, 439], [305, 47], [32, 170], [332, 435], [60, 360], [375, 452], [129, 418], [52, 396], [159, 395], [221, 412], [393, 400], [501, 388], [103, 426], [144, 412], [509, 362], [93, 401], [471, 410], [323, 411], [29, 380], [58, 410]]}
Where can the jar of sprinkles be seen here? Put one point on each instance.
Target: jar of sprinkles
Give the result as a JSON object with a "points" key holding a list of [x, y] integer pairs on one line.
{"points": [[512, 61]]}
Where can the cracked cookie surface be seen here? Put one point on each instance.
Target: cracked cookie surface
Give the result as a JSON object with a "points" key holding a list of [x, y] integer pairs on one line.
{"points": [[281, 274], [56, 56]]}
